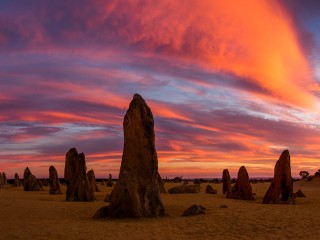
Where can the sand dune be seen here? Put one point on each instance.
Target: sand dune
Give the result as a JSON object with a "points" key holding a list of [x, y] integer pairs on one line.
{"points": [[38, 215]]}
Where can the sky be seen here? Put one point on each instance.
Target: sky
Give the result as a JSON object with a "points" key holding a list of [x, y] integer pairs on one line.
{"points": [[230, 83]]}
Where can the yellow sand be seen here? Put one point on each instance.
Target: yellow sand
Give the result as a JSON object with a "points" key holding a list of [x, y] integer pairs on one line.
{"points": [[38, 215]]}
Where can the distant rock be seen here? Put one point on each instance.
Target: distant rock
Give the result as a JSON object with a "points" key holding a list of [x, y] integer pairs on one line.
{"points": [[194, 210], [193, 188], [177, 179], [210, 190], [1, 181], [75, 176], [16, 180], [281, 188], [54, 181], [110, 181], [242, 188], [30, 183], [4, 178], [299, 193], [226, 183], [137, 191]]}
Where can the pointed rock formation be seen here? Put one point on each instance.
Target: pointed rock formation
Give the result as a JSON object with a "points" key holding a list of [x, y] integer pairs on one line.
{"points": [[226, 183], [185, 188], [30, 183], [281, 188], [54, 181], [137, 191], [75, 176], [4, 178], [16, 180], [92, 181], [242, 188]]}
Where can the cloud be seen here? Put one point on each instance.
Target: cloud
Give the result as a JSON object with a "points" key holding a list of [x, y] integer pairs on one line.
{"points": [[254, 41]]}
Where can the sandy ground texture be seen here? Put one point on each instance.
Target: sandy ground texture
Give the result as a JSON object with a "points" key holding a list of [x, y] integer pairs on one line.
{"points": [[38, 215]]}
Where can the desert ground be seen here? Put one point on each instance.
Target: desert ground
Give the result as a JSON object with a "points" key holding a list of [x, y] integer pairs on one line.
{"points": [[38, 215]]}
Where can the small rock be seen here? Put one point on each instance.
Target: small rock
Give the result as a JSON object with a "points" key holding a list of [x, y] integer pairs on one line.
{"points": [[194, 210], [299, 193], [194, 188], [210, 190]]}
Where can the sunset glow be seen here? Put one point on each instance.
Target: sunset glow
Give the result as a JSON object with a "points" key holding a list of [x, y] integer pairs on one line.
{"points": [[229, 83]]}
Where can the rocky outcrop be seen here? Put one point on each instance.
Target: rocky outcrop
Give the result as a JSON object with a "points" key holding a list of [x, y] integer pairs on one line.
{"points": [[54, 181], [137, 191], [185, 188], [226, 183], [194, 210], [92, 181], [281, 188], [75, 176], [210, 190], [16, 182], [30, 183], [242, 188]]}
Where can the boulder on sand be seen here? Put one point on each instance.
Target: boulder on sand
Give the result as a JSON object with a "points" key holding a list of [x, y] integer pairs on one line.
{"points": [[299, 193], [210, 190], [194, 210], [185, 188]]}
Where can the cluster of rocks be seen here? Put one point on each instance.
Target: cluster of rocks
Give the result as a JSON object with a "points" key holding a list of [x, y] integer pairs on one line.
{"points": [[279, 192], [242, 187]]}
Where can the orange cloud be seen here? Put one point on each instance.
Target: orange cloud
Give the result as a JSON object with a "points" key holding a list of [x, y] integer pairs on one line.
{"points": [[253, 40]]}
